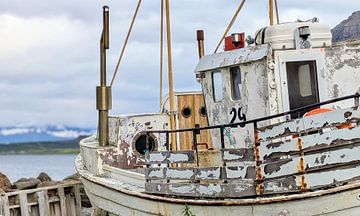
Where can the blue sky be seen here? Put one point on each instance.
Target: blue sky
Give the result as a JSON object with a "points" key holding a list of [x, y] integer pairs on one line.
{"points": [[49, 58]]}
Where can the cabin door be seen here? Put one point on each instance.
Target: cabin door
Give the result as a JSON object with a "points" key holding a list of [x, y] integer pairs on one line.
{"points": [[192, 111], [302, 85], [301, 80]]}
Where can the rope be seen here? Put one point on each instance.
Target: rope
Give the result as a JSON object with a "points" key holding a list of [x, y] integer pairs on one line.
{"points": [[230, 25], [161, 48], [125, 43]]}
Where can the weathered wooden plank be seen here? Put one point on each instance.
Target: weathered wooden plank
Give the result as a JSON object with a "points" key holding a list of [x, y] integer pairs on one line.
{"points": [[170, 157], [324, 160], [221, 190], [314, 122], [280, 130], [77, 199], [282, 167], [239, 172], [238, 155], [62, 201], [43, 200], [208, 173], [70, 204], [332, 177], [183, 173], [24, 208], [289, 184], [335, 117], [114, 123], [55, 209], [312, 142], [4, 205], [313, 162]]}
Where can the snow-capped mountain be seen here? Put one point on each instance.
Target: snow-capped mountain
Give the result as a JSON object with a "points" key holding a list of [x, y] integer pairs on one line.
{"points": [[17, 134]]}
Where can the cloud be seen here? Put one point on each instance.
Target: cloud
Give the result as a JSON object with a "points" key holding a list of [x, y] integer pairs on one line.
{"points": [[49, 56]]}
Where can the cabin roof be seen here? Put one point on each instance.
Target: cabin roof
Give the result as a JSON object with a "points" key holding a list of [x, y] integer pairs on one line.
{"points": [[234, 57]]}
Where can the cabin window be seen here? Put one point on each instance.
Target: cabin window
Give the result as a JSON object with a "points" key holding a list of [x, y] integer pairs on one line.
{"points": [[305, 80], [235, 78], [186, 112], [202, 111], [302, 85], [217, 86], [140, 144]]}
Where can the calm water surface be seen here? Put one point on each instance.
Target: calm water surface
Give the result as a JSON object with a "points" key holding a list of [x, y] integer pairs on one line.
{"points": [[25, 166]]}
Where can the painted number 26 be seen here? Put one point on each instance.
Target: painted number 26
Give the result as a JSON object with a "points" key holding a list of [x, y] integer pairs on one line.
{"points": [[237, 114]]}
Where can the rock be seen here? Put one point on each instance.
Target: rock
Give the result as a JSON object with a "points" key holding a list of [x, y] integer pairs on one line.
{"points": [[44, 177], [24, 183], [2, 192], [74, 176], [47, 184], [5, 183], [347, 29]]}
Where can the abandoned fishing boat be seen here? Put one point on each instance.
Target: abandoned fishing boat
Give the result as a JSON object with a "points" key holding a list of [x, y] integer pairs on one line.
{"points": [[275, 131]]}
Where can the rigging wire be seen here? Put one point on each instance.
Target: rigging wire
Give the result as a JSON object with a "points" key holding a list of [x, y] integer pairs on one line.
{"points": [[277, 12], [230, 24], [161, 47], [125, 43]]}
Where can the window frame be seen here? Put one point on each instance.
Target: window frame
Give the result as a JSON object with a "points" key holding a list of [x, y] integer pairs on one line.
{"points": [[214, 89], [232, 86]]}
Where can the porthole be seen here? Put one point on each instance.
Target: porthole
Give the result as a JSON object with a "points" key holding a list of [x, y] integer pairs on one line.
{"points": [[140, 144], [186, 112], [202, 111]]}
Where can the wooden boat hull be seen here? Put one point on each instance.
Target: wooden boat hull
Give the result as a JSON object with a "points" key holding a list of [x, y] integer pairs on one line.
{"points": [[117, 198]]}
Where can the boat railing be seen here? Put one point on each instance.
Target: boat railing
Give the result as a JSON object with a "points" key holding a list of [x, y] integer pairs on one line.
{"points": [[298, 155], [221, 128]]}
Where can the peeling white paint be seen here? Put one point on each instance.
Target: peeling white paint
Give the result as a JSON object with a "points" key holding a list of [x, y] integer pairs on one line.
{"points": [[178, 173], [178, 157], [229, 156], [235, 172]]}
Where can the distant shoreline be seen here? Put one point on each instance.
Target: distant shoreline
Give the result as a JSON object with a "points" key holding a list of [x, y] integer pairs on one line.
{"points": [[42, 148]]}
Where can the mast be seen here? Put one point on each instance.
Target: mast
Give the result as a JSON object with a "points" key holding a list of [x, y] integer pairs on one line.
{"points": [[271, 12], [161, 47], [170, 75], [103, 92]]}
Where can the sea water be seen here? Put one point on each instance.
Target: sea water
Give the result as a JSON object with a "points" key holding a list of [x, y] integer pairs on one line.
{"points": [[25, 166]]}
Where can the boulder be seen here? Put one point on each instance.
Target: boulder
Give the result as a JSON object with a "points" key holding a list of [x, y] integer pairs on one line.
{"points": [[44, 177], [74, 176], [47, 184], [24, 183], [5, 183]]}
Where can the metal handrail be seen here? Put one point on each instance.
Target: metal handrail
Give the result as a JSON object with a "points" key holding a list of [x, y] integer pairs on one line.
{"points": [[297, 110]]}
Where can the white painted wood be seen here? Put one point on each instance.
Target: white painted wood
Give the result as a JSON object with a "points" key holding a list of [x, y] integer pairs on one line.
{"points": [[77, 199], [24, 208], [116, 199], [324, 139], [307, 123], [43, 200], [62, 201], [4, 204]]}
